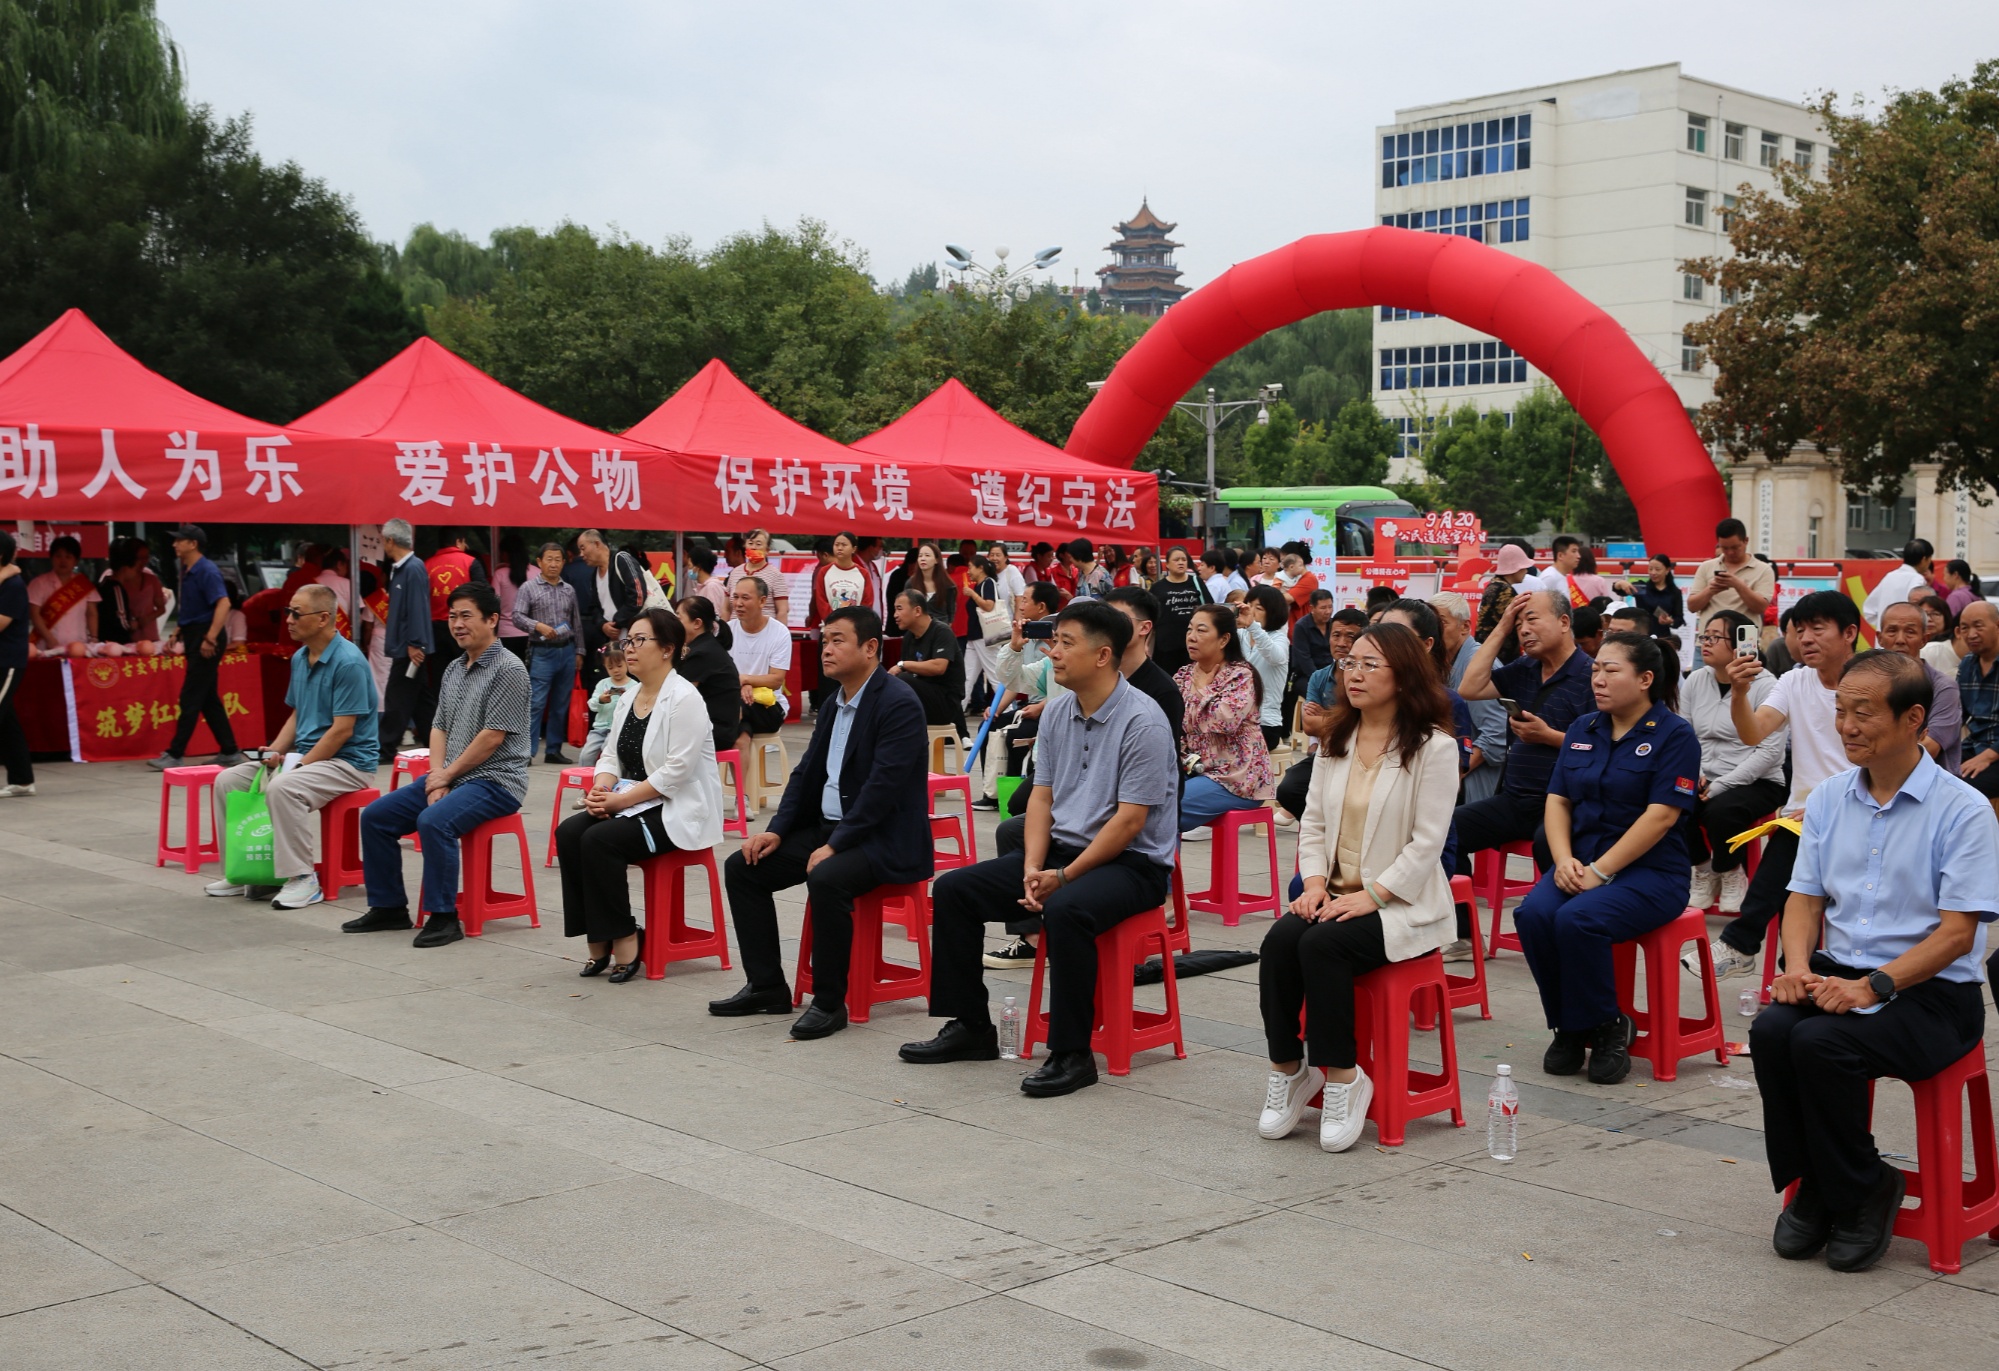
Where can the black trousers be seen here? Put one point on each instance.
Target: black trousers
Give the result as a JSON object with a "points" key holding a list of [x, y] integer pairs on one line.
{"points": [[594, 852], [13, 740], [1294, 787], [832, 886], [940, 705], [1731, 812], [1813, 1068], [761, 719], [201, 699], [968, 899], [404, 699], [1011, 836], [1312, 966], [1492, 822], [1769, 891]]}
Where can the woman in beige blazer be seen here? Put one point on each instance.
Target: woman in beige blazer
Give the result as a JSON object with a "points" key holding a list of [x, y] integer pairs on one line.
{"points": [[1370, 849]]}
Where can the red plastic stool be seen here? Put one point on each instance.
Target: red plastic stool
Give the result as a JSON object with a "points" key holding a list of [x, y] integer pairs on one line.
{"points": [[1223, 896], [872, 979], [1664, 1038], [1121, 1028], [339, 861], [962, 786], [669, 937], [1384, 1001], [1490, 884], [949, 828], [410, 766], [1466, 991], [478, 902], [192, 853], [572, 778], [740, 825], [1179, 934]]}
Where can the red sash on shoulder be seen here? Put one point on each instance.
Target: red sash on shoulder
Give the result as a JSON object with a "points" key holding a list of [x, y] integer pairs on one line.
{"points": [[68, 596]]}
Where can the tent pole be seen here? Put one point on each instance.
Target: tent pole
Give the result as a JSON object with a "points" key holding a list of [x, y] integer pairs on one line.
{"points": [[354, 583], [679, 563]]}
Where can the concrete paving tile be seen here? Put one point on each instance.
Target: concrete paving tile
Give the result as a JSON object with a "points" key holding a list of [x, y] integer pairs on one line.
{"points": [[862, 1060], [286, 977], [40, 1267], [42, 1107], [724, 1102], [1981, 1266], [418, 1159], [338, 1049], [1873, 1339], [423, 1298], [163, 1201], [1433, 1305], [54, 941], [470, 1029], [545, 1117], [1213, 1332], [39, 1009], [141, 1327], [999, 1333], [468, 963], [148, 989], [1040, 1191], [1941, 1304], [759, 1286]]}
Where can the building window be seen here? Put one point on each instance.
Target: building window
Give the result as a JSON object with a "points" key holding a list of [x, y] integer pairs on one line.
{"points": [[1812, 535], [1495, 221], [1696, 210], [1487, 363], [1856, 514], [1728, 204], [1690, 354], [1391, 315], [1801, 154], [1696, 133], [1771, 152], [1733, 136], [1692, 287], [1887, 512], [1730, 297], [1455, 151]]}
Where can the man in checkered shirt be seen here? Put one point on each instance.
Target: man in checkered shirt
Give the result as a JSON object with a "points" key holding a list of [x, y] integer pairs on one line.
{"points": [[479, 752]]}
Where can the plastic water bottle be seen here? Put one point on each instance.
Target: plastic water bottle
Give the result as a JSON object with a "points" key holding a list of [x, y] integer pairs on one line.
{"points": [[1748, 1003], [1009, 1030], [1502, 1116]]}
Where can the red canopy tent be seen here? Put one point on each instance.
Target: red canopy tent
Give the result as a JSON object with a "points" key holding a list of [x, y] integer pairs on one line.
{"points": [[1041, 491], [88, 433], [459, 447], [932, 478]]}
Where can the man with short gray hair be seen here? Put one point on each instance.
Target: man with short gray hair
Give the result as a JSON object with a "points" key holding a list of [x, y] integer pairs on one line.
{"points": [[406, 640]]}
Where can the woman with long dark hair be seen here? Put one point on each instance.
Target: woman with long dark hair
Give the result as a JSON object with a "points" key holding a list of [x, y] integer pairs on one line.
{"points": [[1227, 761], [1264, 617], [1940, 627], [1620, 804], [1659, 596], [932, 578], [509, 575], [1370, 848], [706, 665]]}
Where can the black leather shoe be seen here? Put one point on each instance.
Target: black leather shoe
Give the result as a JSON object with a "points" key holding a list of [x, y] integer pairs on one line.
{"points": [[1063, 1073], [1803, 1226], [955, 1042], [750, 1000], [1564, 1056], [396, 920], [820, 1022], [1610, 1051], [1860, 1239], [438, 930]]}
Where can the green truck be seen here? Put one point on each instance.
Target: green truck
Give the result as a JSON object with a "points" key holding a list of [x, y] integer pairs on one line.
{"points": [[1336, 519]]}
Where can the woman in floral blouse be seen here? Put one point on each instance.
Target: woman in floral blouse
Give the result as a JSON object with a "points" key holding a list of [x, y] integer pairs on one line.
{"points": [[1224, 699]]}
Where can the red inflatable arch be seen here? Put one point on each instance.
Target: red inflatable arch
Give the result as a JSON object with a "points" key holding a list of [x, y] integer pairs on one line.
{"points": [[1578, 347]]}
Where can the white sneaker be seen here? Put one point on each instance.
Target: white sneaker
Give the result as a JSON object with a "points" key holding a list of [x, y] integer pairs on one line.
{"points": [[1197, 835], [299, 892], [1734, 887], [1284, 1101], [1285, 819], [1727, 961], [1343, 1112], [10, 792], [1705, 885], [222, 890]]}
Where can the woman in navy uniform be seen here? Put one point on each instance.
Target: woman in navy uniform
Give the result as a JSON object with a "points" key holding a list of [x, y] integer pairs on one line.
{"points": [[1619, 804]]}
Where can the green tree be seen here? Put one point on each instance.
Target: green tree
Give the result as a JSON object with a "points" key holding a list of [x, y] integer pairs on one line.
{"points": [[1545, 466], [1865, 314], [1323, 363], [1352, 450], [78, 77]]}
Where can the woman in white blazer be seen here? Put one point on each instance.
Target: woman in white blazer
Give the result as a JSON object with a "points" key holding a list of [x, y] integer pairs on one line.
{"points": [[1370, 849], [656, 790]]}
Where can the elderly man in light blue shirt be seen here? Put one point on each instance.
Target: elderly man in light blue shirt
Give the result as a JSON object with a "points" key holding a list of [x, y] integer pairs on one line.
{"points": [[1899, 862]]}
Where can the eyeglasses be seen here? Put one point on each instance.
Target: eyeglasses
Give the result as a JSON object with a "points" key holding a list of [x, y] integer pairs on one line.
{"points": [[1714, 637], [1359, 666], [291, 613], [634, 639]]}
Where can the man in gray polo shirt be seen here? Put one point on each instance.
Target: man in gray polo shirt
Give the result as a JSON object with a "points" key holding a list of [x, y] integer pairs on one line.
{"points": [[479, 751], [1101, 827]]}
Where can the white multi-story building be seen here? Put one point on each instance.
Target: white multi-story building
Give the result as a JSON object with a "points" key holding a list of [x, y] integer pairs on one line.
{"points": [[1611, 182]]}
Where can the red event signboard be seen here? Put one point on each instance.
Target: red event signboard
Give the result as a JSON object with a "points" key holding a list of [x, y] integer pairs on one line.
{"points": [[127, 707], [1438, 528]]}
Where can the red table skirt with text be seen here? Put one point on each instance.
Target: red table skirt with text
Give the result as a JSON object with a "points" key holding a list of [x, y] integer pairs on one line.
{"points": [[117, 709]]}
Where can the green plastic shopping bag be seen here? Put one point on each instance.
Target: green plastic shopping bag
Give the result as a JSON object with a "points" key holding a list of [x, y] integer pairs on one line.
{"points": [[247, 854]]}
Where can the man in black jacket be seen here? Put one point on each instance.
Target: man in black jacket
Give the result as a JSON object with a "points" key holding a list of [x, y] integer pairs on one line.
{"points": [[855, 815], [406, 641], [598, 585]]}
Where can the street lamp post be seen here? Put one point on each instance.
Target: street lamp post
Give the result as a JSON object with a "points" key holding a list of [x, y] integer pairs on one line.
{"points": [[1213, 414], [1001, 284]]}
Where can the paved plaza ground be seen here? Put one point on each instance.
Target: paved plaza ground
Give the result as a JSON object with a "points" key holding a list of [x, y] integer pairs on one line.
{"points": [[235, 1138]]}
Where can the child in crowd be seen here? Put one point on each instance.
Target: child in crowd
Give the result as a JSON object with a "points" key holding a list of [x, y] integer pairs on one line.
{"points": [[603, 704]]}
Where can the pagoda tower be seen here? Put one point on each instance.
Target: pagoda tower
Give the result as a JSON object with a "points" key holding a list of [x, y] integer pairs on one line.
{"points": [[1143, 279]]}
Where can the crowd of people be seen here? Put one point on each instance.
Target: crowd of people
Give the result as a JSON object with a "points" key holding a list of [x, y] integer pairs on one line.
{"points": [[1137, 701]]}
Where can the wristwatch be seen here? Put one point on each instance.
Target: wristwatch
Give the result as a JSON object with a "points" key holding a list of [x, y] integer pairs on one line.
{"points": [[1882, 984]]}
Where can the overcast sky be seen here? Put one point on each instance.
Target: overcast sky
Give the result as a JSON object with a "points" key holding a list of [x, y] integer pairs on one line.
{"points": [[907, 126]]}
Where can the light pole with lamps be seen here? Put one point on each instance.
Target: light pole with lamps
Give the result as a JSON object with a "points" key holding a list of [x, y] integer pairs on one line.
{"points": [[999, 284], [1212, 414]]}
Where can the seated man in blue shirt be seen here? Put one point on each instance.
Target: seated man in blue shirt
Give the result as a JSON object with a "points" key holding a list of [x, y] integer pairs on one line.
{"points": [[1102, 824], [334, 709], [1900, 862]]}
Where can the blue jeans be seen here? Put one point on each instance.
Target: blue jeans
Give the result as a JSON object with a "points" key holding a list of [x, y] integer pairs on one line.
{"points": [[1568, 938], [395, 816], [551, 676], [1202, 801]]}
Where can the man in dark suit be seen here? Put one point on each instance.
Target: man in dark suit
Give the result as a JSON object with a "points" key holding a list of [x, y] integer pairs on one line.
{"points": [[598, 585], [406, 641], [855, 815]]}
